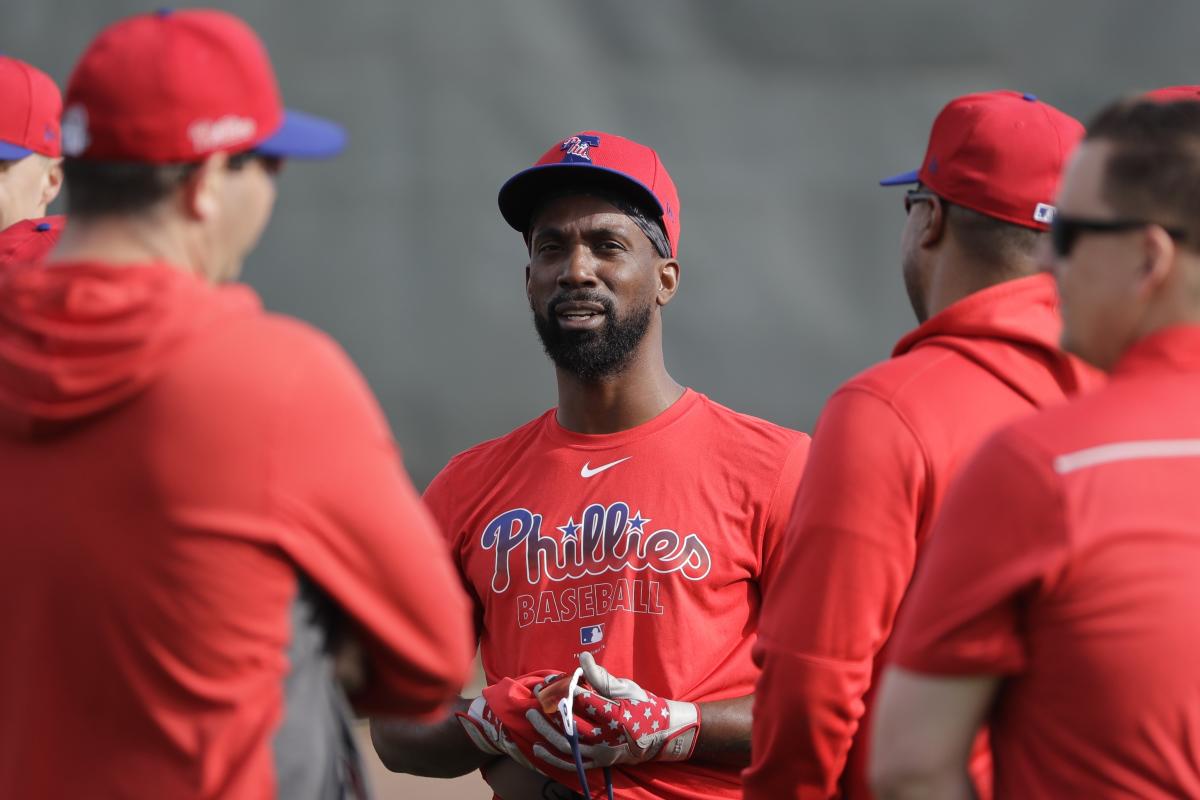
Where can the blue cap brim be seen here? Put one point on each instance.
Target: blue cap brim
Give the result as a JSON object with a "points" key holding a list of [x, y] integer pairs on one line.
{"points": [[10, 152], [901, 179], [304, 136], [522, 193]]}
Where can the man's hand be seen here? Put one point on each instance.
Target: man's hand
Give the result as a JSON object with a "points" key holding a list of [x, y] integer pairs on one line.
{"points": [[486, 727], [619, 722]]}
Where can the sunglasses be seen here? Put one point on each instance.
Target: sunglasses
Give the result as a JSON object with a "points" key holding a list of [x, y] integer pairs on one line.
{"points": [[1065, 231], [270, 164], [916, 196]]}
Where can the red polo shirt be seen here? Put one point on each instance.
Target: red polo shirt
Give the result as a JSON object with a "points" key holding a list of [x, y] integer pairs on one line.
{"points": [[1067, 560], [885, 448]]}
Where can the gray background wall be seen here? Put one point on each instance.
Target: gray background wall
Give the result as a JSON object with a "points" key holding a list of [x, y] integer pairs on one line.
{"points": [[776, 119]]}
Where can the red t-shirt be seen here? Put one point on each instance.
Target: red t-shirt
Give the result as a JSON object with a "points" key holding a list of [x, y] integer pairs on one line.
{"points": [[189, 487], [884, 451], [679, 520], [1067, 559], [29, 240]]}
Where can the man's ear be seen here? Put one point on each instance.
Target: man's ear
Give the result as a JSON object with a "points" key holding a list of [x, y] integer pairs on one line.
{"points": [[1158, 263], [52, 182], [202, 190], [668, 280], [935, 222]]}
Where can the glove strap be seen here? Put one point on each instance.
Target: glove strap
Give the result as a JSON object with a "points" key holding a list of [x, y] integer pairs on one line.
{"points": [[685, 730]]}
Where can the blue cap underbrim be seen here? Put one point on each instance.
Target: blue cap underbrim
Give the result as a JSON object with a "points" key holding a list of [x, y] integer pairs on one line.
{"points": [[522, 193], [901, 179], [304, 136], [10, 152]]}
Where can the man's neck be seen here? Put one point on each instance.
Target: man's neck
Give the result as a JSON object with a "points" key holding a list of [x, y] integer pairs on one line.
{"points": [[123, 241], [638, 394], [954, 280]]}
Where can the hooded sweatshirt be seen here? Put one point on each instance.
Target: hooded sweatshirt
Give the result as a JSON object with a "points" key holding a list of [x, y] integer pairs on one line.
{"points": [[198, 499], [887, 445]]}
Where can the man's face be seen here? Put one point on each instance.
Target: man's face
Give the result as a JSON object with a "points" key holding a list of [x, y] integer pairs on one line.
{"points": [[592, 284], [1098, 281], [25, 189]]}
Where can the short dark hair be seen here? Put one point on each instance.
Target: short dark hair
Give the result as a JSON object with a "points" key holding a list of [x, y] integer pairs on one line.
{"points": [[107, 188], [998, 247], [104, 188], [1153, 172], [649, 221]]}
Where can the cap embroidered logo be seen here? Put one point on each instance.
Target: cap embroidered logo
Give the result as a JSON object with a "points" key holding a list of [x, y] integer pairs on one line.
{"points": [[75, 137], [576, 148]]}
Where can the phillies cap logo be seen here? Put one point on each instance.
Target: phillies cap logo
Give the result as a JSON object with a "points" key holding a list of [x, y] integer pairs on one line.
{"points": [[577, 148]]}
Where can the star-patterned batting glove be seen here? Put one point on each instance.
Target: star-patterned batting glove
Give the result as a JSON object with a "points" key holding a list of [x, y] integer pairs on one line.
{"points": [[619, 722]]}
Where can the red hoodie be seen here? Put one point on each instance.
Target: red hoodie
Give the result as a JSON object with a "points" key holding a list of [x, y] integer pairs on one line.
{"points": [[198, 497], [29, 240], [885, 448]]}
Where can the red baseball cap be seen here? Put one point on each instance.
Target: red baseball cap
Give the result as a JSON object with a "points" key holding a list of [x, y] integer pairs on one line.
{"points": [[1173, 94], [30, 106], [999, 153], [177, 86], [591, 158]]}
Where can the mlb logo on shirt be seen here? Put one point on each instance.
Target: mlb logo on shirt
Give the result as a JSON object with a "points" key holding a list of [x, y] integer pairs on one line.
{"points": [[591, 634]]}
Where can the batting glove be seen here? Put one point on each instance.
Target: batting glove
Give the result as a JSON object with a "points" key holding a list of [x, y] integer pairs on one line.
{"points": [[490, 718], [619, 722]]}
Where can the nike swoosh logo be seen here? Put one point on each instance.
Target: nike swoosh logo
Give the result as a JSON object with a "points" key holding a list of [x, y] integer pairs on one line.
{"points": [[588, 471]]}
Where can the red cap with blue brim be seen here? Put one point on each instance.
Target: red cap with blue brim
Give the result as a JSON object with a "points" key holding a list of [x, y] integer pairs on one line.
{"points": [[999, 153], [592, 158], [30, 107], [177, 86]]}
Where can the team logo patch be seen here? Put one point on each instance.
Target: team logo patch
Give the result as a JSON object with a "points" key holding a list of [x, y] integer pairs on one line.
{"points": [[591, 634], [577, 149], [1044, 213]]}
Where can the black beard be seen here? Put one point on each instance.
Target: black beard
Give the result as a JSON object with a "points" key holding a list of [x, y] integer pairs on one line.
{"points": [[595, 355]]}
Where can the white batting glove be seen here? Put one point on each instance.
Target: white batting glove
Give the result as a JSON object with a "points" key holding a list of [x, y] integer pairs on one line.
{"points": [[619, 722], [488, 733]]}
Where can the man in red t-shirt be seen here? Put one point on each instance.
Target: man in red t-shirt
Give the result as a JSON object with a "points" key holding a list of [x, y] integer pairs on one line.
{"points": [[891, 438], [30, 161], [635, 525], [1059, 596], [202, 505]]}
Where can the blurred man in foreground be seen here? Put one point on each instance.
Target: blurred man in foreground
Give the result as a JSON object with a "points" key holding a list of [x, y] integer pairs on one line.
{"points": [[202, 503], [1059, 597]]}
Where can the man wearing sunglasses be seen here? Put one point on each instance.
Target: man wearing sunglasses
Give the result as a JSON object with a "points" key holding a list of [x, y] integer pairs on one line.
{"points": [[1059, 596], [890, 439], [30, 161], [202, 505]]}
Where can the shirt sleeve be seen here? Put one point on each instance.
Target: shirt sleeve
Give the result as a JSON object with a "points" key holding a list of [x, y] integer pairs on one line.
{"points": [[354, 525], [779, 511], [440, 500], [847, 560], [998, 543]]}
